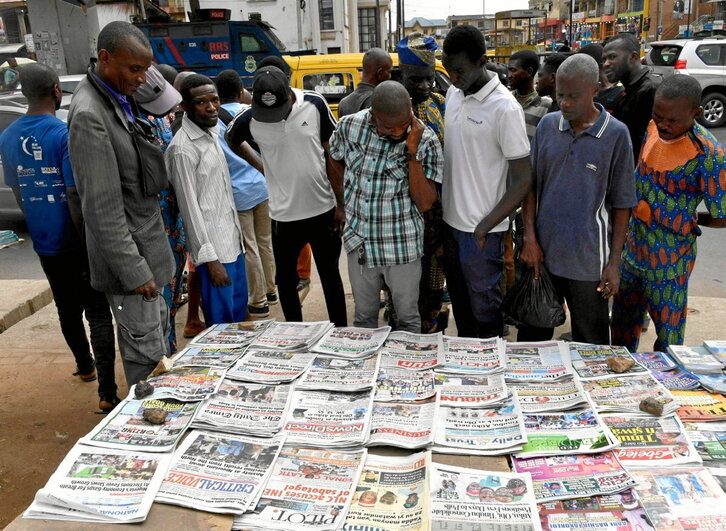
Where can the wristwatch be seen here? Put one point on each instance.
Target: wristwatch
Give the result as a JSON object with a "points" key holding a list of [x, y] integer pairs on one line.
{"points": [[413, 156]]}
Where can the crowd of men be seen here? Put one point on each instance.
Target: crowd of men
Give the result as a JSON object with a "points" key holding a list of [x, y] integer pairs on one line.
{"points": [[420, 190]]}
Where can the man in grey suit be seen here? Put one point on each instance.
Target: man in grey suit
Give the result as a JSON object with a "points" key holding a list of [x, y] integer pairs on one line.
{"points": [[118, 174]]}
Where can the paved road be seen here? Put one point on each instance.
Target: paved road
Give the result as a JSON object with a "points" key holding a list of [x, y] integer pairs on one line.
{"points": [[708, 279]]}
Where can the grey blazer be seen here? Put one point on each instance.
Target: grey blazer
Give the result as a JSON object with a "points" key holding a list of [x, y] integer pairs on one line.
{"points": [[125, 235]]}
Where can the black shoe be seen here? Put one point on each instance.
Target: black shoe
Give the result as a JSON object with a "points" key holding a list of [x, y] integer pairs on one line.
{"points": [[259, 311], [272, 298], [107, 403]]}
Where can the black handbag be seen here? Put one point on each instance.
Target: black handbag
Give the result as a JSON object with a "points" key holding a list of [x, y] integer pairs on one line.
{"points": [[151, 158]]}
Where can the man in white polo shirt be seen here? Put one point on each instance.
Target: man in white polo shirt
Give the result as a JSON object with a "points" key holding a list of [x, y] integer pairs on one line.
{"points": [[292, 127], [487, 174]]}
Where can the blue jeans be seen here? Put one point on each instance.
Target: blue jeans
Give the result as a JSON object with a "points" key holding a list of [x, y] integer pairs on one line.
{"points": [[472, 277], [226, 304]]}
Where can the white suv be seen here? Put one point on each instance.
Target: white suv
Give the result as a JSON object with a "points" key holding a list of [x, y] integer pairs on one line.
{"points": [[705, 60]]}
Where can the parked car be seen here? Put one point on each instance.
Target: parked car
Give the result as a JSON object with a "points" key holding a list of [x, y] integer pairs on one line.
{"points": [[705, 60]]}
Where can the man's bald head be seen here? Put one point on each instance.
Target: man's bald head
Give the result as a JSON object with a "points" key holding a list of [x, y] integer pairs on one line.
{"points": [[391, 98], [377, 64]]}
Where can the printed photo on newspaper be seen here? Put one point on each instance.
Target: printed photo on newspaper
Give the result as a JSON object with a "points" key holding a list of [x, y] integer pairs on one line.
{"points": [[340, 374], [291, 336], [231, 334], [536, 362], [188, 384], [350, 342], [466, 355], [465, 390], [270, 366], [403, 424], [418, 352], [590, 361], [403, 384], [197, 356], [623, 394]]}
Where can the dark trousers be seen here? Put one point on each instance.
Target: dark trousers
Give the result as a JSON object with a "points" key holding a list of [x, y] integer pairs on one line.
{"points": [[288, 239], [70, 283], [473, 276], [588, 313]]}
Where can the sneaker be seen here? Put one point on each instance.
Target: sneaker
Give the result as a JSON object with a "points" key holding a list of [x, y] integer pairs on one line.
{"points": [[302, 284], [272, 298], [90, 377], [259, 311]]}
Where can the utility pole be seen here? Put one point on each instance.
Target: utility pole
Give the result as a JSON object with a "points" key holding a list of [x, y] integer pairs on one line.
{"points": [[569, 29]]}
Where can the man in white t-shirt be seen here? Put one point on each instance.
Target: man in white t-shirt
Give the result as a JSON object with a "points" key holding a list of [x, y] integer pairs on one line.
{"points": [[292, 128], [487, 174]]}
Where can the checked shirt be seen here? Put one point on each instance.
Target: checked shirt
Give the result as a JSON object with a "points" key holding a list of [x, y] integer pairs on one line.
{"points": [[379, 211]]}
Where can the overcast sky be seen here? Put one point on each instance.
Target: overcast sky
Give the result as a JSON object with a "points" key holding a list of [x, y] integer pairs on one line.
{"points": [[444, 8]]}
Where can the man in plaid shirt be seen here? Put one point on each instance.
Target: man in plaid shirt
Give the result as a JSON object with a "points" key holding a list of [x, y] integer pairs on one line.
{"points": [[391, 161]]}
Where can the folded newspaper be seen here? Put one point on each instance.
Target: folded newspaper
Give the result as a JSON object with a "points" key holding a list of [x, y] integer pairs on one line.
{"points": [[465, 355], [677, 379], [391, 495], [700, 406], [574, 476], [332, 373], [624, 393], [559, 395], [651, 442], [471, 390], [231, 335], [349, 342], [270, 366], [101, 485], [329, 419], [655, 361], [126, 428], [709, 439], [418, 352], [309, 489], [291, 336], [404, 384], [403, 424], [472, 500], [590, 361], [245, 408], [219, 473], [199, 356], [189, 384], [536, 362], [696, 359]]}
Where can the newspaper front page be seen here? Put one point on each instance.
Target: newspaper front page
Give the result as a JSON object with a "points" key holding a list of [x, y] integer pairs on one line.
{"points": [[417, 352], [188, 384], [242, 407], [329, 419], [470, 390], [574, 476], [536, 362], [291, 336], [465, 499], [465, 355], [340, 374], [654, 361], [709, 440], [589, 361], [700, 406], [309, 489], [403, 384], [101, 485], [349, 342], [126, 428], [403, 424], [219, 472], [198, 356], [677, 379], [624, 393], [559, 395], [270, 366], [231, 335], [391, 495]]}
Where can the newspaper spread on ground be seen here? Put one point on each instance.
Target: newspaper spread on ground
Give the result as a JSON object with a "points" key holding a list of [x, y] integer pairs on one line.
{"points": [[340, 374], [198, 356], [466, 499], [418, 352], [578, 431], [349, 342], [308, 489], [677, 379], [404, 384], [392, 494], [715, 383], [329, 419], [270, 366], [466, 355], [616, 512], [647, 441], [291, 336], [243, 407], [695, 359], [126, 428], [654, 361], [470, 390], [231, 334], [682, 498], [709, 439], [574, 476], [103, 485], [219, 472], [550, 396], [403, 424], [536, 362], [623, 394], [480, 431], [589, 361], [700, 406], [188, 384]]}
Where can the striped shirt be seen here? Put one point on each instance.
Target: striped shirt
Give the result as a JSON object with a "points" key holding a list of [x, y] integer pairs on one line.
{"points": [[198, 171], [580, 179], [534, 107], [379, 211]]}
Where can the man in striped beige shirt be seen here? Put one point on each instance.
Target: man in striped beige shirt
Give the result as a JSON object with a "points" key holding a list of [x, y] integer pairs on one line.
{"points": [[198, 170]]}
